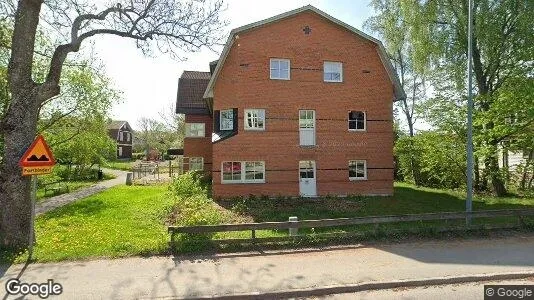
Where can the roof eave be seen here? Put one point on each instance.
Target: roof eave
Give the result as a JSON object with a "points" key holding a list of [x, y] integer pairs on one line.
{"points": [[398, 90]]}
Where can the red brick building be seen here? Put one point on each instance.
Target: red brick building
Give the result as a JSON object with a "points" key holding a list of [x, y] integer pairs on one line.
{"points": [[297, 104]]}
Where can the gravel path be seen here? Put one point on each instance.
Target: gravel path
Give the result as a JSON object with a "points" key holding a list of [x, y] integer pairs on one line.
{"points": [[60, 200]]}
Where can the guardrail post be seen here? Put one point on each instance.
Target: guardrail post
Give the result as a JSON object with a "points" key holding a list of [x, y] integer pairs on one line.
{"points": [[293, 231], [173, 243], [253, 236]]}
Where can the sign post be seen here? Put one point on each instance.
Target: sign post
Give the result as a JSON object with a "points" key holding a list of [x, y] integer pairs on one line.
{"points": [[37, 160]]}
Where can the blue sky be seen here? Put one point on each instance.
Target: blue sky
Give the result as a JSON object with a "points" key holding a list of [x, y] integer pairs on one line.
{"points": [[149, 83]]}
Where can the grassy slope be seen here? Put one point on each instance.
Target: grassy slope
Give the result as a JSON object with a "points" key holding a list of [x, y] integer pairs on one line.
{"points": [[118, 222], [126, 221]]}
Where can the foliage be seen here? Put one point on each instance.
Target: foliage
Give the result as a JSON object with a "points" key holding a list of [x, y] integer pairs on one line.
{"points": [[120, 165], [440, 157], [187, 185], [121, 221], [170, 26], [502, 67], [392, 28], [154, 135], [82, 142]]}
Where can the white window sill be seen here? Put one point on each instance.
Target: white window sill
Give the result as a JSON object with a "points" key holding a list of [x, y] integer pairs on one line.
{"points": [[241, 182], [358, 130], [333, 81], [254, 129], [279, 78], [357, 178]]}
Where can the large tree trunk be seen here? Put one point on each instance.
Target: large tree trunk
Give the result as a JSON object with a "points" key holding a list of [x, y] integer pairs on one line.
{"points": [[492, 169], [20, 126]]}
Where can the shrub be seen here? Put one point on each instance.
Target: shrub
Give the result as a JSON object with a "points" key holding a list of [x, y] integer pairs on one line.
{"points": [[187, 185]]}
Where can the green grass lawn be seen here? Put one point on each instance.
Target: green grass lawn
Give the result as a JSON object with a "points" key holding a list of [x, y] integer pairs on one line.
{"points": [[72, 184], [131, 220], [121, 165], [122, 221], [407, 199]]}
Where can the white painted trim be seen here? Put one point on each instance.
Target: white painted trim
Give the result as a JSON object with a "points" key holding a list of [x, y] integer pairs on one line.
{"points": [[340, 73], [364, 168], [245, 119], [221, 117], [243, 173], [288, 68], [195, 136], [364, 122], [398, 91]]}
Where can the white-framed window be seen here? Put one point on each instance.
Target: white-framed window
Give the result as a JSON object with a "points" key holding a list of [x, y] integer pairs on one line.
{"points": [[227, 119], [120, 151], [128, 137], [243, 172], [280, 68], [195, 130], [357, 170], [333, 71], [254, 119], [196, 163], [357, 120]]}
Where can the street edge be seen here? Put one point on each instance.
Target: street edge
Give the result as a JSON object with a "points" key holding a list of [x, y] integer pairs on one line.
{"points": [[367, 286]]}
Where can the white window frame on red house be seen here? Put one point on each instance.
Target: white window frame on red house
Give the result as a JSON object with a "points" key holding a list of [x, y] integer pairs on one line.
{"points": [[254, 119], [195, 130], [331, 69], [275, 66], [226, 119], [355, 164], [245, 168], [196, 163], [355, 121]]}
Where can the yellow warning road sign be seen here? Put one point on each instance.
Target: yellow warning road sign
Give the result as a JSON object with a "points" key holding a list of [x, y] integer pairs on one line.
{"points": [[38, 159]]}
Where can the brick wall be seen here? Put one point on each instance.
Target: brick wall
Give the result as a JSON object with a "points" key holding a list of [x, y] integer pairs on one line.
{"points": [[244, 83], [200, 147]]}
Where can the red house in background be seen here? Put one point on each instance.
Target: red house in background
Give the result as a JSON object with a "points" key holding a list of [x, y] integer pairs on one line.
{"points": [[297, 104], [121, 133]]}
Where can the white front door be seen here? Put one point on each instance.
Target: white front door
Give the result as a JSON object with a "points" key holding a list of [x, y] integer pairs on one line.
{"points": [[307, 127], [307, 178]]}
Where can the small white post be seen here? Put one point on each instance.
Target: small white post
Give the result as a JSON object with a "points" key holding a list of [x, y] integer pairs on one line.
{"points": [[293, 231]]}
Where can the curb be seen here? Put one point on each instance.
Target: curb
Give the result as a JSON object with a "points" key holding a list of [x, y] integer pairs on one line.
{"points": [[366, 286]]}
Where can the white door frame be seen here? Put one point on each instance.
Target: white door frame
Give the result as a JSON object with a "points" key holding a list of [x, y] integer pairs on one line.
{"points": [[308, 186], [304, 132]]}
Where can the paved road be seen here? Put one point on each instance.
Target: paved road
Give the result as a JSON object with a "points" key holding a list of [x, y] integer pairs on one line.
{"points": [[60, 200], [243, 273], [472, 291]]}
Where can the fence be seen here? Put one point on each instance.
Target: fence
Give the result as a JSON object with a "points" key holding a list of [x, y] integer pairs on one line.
{"points": [[441, 216], [179, 166], [145, 169]]}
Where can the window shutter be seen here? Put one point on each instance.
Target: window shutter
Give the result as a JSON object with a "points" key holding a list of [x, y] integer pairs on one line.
{"points": [[216, 121], [236, 124]]}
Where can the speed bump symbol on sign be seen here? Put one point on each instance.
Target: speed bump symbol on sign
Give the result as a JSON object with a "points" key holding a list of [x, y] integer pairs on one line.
{"points": [[38, 159]]}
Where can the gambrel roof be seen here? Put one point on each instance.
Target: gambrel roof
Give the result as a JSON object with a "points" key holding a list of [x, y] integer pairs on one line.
{"points": [[398, 91]]}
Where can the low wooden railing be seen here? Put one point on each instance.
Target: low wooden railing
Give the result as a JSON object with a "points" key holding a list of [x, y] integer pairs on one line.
{"points": [[203, 229]]}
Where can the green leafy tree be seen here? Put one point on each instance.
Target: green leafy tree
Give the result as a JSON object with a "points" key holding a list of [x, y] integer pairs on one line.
{"points": [[392, 27], [168, 25], [502, 52]]}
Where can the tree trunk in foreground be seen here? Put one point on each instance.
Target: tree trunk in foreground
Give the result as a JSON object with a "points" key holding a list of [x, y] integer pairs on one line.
{"points": [[15, 189]]}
